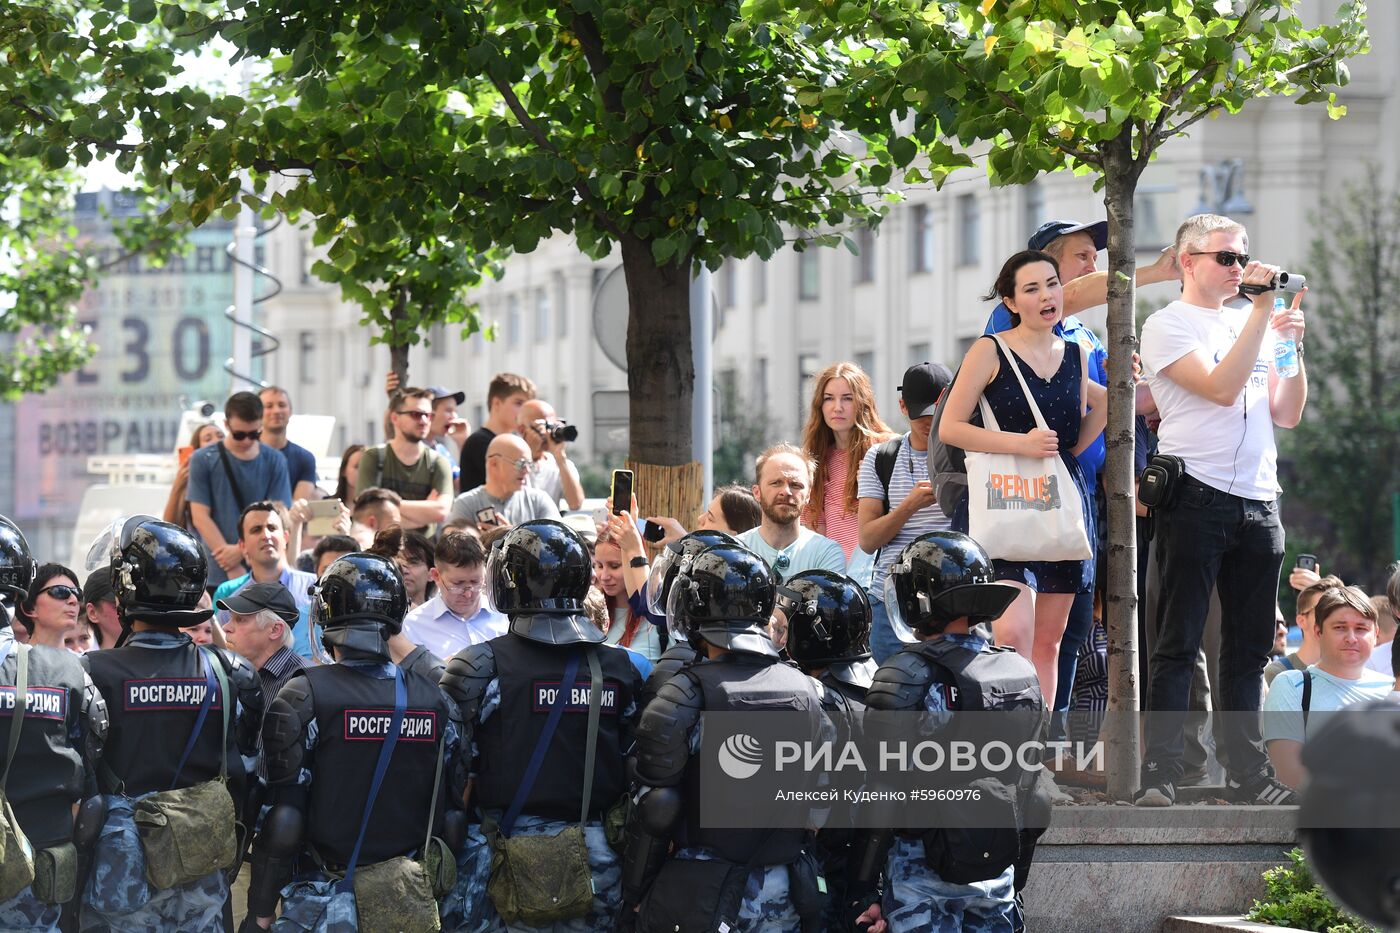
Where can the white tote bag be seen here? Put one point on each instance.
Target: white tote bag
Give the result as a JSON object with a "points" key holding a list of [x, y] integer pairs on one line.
{"points": [[1024, 508]]}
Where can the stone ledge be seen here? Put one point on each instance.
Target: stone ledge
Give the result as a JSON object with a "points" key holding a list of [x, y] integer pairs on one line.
{"points": [[1180, 825], [1218, 925]]}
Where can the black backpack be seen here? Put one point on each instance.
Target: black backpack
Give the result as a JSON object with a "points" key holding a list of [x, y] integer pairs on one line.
{"points": [[947, 465]]}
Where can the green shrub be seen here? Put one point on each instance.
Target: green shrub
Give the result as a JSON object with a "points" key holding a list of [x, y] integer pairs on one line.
{"points": [[1293, 899]]}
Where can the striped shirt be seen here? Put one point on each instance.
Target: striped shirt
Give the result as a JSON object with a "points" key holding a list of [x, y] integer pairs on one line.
{"points": [[910, 467], [841, 526]]}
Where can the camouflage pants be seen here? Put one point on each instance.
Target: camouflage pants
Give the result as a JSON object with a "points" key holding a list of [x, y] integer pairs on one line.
{"points": [[25, 912], [197, 907], [766, 907], [468, 908], [313, 903], [918, 901]]}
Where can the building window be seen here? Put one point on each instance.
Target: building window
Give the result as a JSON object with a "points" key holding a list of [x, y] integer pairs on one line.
{"points": [[865, 255], [808, 365], [919, 353], [1155, 216], [561, 305], [513, 321], [541, 315], [760, 384], [729, 284], [760, 282], [1033, 207], [969, 230], [921, 230], [437, 342], [809, 274], [306, 357], [866, 361], [306, 259]]}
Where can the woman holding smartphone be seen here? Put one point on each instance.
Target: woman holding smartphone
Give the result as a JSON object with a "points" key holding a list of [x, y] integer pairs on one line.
{"points": [[1075, 409]]}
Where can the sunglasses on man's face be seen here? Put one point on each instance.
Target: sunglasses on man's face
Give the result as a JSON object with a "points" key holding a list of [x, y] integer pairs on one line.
{"points": [[245, 435], [1226, 257], [62, 592]]}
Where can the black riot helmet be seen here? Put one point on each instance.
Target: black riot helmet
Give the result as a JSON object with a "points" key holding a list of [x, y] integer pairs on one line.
{"points": [[540, 566], [669, 562], [1351, 763], [17, 568], [828, 618], [158, 573], [359, 602], [723, 595], [940, 577]]}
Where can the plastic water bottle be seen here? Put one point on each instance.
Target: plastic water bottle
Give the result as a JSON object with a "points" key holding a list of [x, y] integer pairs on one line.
{"points": [[1286, 349]]}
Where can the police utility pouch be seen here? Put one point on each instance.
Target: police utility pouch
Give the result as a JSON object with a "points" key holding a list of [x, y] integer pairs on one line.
{"points": [[1160, 484], [541, 879], [16, 854], [189, 832], [683, 889], [395, 896], [976, 842], [56, 873]]}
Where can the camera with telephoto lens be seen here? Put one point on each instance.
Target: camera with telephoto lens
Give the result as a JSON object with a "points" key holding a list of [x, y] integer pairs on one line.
{"points": [[560, 431], [1283, 282]]}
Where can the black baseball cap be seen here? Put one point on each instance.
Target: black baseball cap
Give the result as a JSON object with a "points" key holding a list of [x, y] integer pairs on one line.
{"points": [[922, 385], [255, 597], [440, 393], [98, 587], [1052, 230]]}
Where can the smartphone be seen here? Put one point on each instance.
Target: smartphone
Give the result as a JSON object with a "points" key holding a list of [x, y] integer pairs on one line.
{"points": [[621, 491], [324, 512], [486, 516], [1307, 562], [185, 454], [652, 532]]}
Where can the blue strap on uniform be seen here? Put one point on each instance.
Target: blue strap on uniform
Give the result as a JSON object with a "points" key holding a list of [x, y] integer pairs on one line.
{"points": [[390, 740], [210, 688], [556, 711]]}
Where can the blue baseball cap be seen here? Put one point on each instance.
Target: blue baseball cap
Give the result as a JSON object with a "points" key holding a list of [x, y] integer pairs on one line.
{"points": [[1052, 230], [440, 393]]}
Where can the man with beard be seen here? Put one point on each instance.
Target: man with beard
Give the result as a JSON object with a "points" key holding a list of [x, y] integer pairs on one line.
{"points": [[420, 475], [782, 484]]}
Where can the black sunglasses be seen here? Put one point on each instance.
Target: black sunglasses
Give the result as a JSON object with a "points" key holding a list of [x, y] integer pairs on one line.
{"points": [[246, 435], [1226, 257], [62, 591]]}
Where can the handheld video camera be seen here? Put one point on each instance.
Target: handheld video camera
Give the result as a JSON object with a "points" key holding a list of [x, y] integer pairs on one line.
{"points": [[1283, 282]]}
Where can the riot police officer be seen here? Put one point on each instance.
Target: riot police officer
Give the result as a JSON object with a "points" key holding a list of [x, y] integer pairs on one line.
{"points": [[937, 878], [61, 725], [530, 700], [181, 716], [829, 639], [720, 603], [325, 740], [668, 564]]}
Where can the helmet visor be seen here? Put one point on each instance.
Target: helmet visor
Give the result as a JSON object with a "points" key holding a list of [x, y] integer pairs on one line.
{"points": [[316, 619], [494, 599], [657, 602], [898, 624], [677, 624], [105, 546]]}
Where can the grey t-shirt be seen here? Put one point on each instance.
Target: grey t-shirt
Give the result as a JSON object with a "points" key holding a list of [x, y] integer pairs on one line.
{"points": [[523, 506], [910, 467]]}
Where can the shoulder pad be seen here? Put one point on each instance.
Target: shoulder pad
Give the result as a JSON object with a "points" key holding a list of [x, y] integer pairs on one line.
{"points": [[424, 663], [288, 716], [241, 675], [900, 683], [466, 675], [95, 721], [663, 735]]}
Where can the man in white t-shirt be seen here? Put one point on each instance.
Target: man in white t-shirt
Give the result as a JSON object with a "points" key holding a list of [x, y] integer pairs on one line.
{"points": [[551, 469], [1211, 374], [783, 485], [1345, 622]]}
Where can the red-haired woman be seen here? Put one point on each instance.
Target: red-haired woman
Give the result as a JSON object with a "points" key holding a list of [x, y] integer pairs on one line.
{"points": [[842, 425]]}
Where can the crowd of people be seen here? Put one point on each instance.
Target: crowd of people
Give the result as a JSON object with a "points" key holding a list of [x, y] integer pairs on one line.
{"points": [[442, 697]]}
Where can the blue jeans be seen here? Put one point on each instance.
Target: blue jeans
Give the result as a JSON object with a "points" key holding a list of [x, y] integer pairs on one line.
{"points": [[1077, 629], [1212, 539], [883, 642]]}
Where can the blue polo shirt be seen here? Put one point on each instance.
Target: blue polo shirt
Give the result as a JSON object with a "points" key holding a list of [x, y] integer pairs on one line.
{"points": [[297, 583], [1070, 328]]}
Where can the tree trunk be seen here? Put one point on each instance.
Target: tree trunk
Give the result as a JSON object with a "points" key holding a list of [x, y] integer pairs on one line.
{"points": [[398, 349], [660, 383], [1121, 175]]}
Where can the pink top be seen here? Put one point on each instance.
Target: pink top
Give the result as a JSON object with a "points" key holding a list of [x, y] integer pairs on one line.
{"points": [[841, 526]]}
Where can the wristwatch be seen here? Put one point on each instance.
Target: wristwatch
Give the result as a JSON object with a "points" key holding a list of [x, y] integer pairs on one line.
{"points": [[638, 561], [1300, 349]]}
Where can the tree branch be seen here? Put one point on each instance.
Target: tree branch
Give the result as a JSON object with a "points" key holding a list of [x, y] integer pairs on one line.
{"points": [[591, 41]]}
